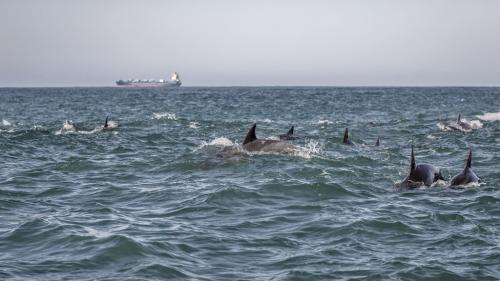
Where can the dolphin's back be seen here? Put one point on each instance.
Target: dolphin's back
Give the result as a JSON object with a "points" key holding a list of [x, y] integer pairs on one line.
{"points": [[465, 177], [425, 173], [268, 146]]}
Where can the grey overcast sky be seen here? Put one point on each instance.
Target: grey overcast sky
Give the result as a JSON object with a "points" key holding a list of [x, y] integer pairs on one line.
{"points": [[258, 42]]}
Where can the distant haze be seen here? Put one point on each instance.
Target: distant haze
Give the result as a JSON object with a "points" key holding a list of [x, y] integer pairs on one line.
{"points": [[254, 43]]}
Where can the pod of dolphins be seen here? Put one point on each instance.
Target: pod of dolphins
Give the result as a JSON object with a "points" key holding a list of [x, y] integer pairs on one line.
{"points": [[418, 175]]}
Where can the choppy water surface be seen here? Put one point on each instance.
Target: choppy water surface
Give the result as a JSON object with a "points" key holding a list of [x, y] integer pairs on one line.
{"points": [[156, 199]]}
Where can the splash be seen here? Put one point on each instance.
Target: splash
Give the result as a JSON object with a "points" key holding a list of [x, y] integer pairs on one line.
{"points": [[221, 142], [6, 123], [164, 115], [468, 185], [492, 116], [476, 124], [267, 120], [324, 122], [464, 125], [193, 125], [311, 149], [112, 125]]}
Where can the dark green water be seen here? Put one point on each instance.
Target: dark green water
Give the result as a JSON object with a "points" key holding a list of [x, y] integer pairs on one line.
{"points": [[155, 199]]}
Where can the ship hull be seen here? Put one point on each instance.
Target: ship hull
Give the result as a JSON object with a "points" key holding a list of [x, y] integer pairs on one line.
{"points": [[147, 85]]}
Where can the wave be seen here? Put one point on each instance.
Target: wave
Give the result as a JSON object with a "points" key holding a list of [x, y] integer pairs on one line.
{"points": [[493, 116]]}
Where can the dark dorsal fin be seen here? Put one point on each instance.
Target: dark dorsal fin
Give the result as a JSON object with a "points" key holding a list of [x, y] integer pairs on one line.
{"points": [[106, 122], [377, 143], [290, 132], [250, 135], [412, 164], [346, 136], [468, 164], [459, 118]]}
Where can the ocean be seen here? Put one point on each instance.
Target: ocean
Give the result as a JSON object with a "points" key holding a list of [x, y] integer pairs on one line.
{"points": [[157, 198]]}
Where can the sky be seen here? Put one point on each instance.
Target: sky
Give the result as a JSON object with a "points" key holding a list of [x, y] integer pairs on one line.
{"points": [[251, 43]]}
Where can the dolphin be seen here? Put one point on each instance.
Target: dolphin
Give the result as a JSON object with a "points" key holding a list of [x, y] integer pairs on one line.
{"points": [[377, 143], [106, 123], [459, 125], [289, 135], [346, 139], [108, 126], [422, 173], [251, 143], [462, 124], [467, 175]]}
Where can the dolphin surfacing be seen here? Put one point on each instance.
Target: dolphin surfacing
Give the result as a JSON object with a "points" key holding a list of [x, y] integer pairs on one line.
{"points": [[251, 143], [289, 135], [420, 174], [459, 125], [346, 139], [467, 175], [105, 126]]}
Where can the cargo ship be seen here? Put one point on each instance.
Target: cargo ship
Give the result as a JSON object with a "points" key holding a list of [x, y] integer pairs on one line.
{"points": [[175, 81]]}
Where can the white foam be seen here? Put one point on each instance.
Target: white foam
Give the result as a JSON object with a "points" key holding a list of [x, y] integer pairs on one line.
{"points": [[267, 120], [471, 184], [439, 183], [112, 125], [324, 122], [164, 115], [476, 124], [68, 126], [492, 116], [216, 142], [310, 150], [6, 123], [193, 125], [443, 127]]}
